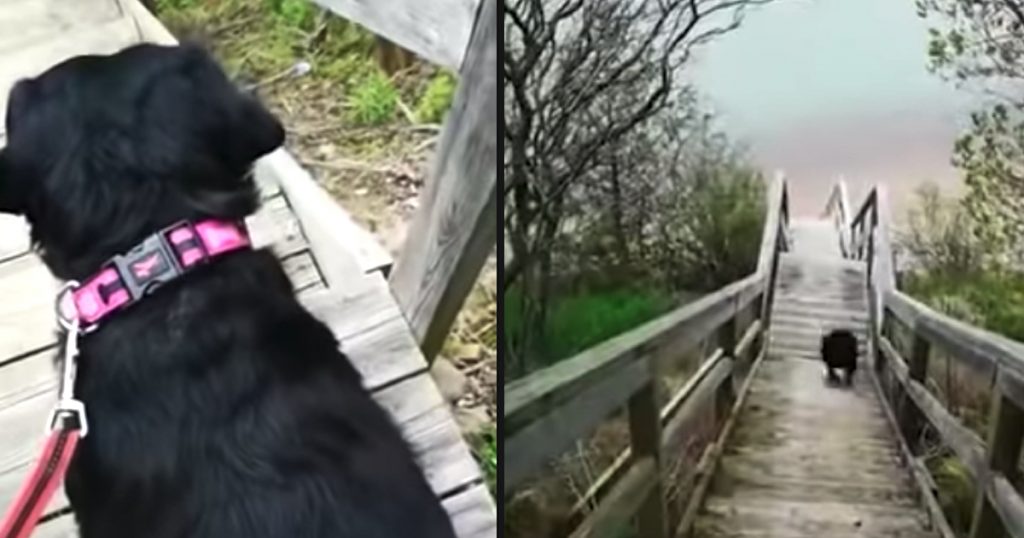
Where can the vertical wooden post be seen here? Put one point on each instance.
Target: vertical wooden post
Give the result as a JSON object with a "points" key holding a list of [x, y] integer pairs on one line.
{"points": [[455, 229], [645, 440], [773, 274], [1005, 433], [726, 393], [908, 415], [392, 58]]}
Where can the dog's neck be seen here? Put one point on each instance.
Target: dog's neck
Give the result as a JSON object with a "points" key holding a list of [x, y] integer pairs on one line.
{"points": [[75, 254], [159, 259]]}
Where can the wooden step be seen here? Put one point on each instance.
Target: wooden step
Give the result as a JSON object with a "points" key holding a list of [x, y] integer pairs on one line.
{"points": [[743, 482], [782, 313], [23, 22], [815, 302], [762, 516]]}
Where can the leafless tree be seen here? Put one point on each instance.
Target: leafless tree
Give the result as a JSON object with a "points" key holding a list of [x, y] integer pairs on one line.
{"points": [[580, 75]]}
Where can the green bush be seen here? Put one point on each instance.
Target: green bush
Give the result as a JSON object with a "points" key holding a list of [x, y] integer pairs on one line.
{"points": [[956, 491], [437, 98], [580, 321], [297, 13], [375, 100]]}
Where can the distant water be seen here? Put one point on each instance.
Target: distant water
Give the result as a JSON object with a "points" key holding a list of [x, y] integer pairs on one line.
{"points": [[823, 88]]}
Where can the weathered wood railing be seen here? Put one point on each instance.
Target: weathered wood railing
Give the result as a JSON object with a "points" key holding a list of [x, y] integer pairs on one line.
{"points": [[549, 410], [992, 463], [455, 228]]}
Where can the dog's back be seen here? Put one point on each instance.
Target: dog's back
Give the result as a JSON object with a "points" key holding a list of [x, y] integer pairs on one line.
{"points": [[839, 350]]}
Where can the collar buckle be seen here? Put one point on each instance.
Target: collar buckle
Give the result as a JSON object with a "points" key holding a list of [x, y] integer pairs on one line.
{"points": [[147, 266]]}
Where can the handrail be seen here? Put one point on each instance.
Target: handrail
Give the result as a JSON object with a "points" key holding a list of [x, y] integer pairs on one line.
{"points": [[992, 463], [838, 208], [549, 410]]}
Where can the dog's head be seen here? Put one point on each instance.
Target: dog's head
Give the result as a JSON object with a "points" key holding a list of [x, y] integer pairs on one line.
{"points": [[103, 150]]}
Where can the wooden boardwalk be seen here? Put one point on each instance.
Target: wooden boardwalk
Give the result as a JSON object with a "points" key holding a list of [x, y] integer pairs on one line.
{"points": [[338, 285], [806, 459]]}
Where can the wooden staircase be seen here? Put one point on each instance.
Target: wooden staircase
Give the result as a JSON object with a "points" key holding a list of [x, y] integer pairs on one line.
{"points": [[806, 459]]}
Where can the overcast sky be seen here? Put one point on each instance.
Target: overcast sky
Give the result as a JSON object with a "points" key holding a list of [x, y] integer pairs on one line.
{"points": [[820, 88]]}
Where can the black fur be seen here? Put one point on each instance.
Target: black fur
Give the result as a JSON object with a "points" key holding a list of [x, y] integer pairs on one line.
{"points": [[218, 406], [839, 351]]}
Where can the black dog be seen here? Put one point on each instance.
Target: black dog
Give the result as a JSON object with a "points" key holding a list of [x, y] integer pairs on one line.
{"points": [[218, 406], [839, 351]]}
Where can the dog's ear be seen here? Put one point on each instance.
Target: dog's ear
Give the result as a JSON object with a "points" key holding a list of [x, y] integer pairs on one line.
{"points": [[254, 130], [12, 199], [243, 127]]}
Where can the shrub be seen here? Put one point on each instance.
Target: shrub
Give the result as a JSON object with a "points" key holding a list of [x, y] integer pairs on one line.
{"points": [[485, 448], [580, 321], [297, 13], [437, 98], [375, 100]]}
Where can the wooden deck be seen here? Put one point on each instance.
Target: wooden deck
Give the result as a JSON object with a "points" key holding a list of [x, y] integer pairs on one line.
{"points": [[806, 459], [334, 283]]}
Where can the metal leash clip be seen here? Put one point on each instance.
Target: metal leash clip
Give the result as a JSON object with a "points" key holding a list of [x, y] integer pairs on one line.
{"points": [[67, 405]]}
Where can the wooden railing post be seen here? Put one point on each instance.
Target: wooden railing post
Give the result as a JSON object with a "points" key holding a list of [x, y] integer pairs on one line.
{"points": [[645, 441], [908, 415], [1005, 433], [455, 228], [727, 390]]}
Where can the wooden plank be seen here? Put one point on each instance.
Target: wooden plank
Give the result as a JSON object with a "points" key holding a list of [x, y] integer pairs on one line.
{"points": [[422, 414], [472, 513], [910, 418], [61, 527], [926, 485], [13, 237], [709, 459], [964, 442], [276, 226], [1008, 504], [438, 30], [27, 320], [1005, 434], [613, 515], [645, 443], [150, 28], [27, 393], [455, 229], [302, 271], [686, 403], [344, 250], [372, 332], [28, 61], [770, 234], [978, 348], [551, 433], [703, 396]]}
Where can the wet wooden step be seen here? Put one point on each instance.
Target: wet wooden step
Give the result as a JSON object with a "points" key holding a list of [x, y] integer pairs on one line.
{"points": [[781, 518]]}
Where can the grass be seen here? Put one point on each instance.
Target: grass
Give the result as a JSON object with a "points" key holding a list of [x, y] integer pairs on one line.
{"points": [[374, 101], [437, 98], [485, 448], [577, 322]]}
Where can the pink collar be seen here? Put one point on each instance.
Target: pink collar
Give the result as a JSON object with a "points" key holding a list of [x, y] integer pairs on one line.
{"points": [[164, 256]]}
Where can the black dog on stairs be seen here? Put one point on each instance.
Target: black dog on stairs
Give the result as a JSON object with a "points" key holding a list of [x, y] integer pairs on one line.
{"points": [[839, 351]]}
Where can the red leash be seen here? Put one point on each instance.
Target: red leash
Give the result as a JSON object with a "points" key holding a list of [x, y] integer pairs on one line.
{"points": [[67, 426]]}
